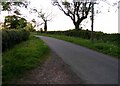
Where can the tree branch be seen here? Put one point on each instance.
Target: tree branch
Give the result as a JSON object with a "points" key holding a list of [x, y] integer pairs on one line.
{"points": [[66, 13], [86, 13]]}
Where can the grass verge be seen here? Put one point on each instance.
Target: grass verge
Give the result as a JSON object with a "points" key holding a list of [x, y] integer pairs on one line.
{"points": [[23, 57], [100, 46]]}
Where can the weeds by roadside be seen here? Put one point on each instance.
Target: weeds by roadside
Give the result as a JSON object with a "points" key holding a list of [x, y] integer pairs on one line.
{"points": [[23, 57]]}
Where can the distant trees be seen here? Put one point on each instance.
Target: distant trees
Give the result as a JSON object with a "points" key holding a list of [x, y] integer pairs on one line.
{"points": [[77, 11], [44, 16], [30, 27]]}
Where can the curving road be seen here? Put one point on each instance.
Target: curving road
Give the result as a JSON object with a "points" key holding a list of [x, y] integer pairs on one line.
{"points": [[89, 65]]}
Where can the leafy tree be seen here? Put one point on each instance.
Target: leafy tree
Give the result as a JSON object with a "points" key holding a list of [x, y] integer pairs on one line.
{"points": [[11, 6], [10, 22], [77, 11], [14, 22], [22, 22], [30, 27], [6, 5]]}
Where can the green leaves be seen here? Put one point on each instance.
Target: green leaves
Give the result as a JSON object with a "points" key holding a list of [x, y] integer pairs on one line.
{"points": [[14, 22], [6, 6], [30, 27]]}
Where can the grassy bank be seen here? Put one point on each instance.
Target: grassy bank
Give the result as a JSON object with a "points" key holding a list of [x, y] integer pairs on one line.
{"points": [[106, 48], [23, 57]]}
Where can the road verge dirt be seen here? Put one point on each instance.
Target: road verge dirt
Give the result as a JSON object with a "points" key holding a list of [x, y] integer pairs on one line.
{"points": [[53, 71]]}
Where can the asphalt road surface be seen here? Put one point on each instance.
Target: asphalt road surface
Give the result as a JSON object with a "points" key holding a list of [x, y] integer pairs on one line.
{"points": [[89, 65]]}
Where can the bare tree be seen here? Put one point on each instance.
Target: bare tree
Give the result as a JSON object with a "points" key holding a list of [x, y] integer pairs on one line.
{"points": [[77, 11], [45, 17]]}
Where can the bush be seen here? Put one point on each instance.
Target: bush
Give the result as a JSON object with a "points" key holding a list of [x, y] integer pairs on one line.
{"points": [[13, 37]]}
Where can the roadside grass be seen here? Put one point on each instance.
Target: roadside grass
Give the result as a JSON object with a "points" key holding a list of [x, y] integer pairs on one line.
{"points": [[100, 46], [23, 57]]}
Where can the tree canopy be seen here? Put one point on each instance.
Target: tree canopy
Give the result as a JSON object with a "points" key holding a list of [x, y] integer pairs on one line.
{"points": [[9, 6], [6, 5], [14, 22], [77, 11], [30, 27]]}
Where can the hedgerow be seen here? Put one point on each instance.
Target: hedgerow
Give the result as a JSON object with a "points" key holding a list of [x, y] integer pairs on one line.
{"points": [[86, 34], [12, 37]]}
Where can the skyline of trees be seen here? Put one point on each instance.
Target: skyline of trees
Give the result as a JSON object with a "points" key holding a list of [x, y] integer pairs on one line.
{"points": [[66, 5]]}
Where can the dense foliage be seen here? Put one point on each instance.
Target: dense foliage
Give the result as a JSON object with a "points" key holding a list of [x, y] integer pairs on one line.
{"points": [[30, 27], [13, 37], [15, 22], [86, 34], [7, 5]]}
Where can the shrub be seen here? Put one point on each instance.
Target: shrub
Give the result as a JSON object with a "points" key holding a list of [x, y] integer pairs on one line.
{"points": [[13, 37]]}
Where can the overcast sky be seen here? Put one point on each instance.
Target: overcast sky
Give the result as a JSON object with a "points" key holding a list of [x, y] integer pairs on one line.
{"points": [[106, 21]]}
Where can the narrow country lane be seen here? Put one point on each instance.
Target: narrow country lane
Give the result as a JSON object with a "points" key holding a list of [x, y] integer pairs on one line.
{"points": [[89, 65]]}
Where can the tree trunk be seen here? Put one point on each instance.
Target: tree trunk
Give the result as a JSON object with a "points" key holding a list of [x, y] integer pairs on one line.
{"points": [[77, 25], [45, 26]]}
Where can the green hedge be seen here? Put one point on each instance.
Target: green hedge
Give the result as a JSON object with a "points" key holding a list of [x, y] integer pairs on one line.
{"points": [[86, 34], [13, 37]]}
